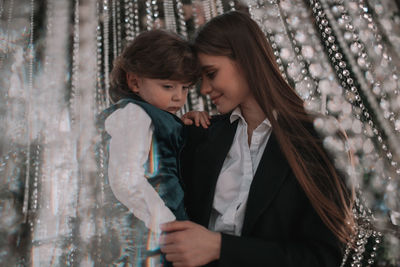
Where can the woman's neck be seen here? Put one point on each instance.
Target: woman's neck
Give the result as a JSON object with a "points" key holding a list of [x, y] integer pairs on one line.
{"points": [[252, 114]]}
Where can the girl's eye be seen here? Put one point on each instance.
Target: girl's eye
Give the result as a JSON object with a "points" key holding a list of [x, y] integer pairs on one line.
{"points": [[186, 87], [167, 86]]}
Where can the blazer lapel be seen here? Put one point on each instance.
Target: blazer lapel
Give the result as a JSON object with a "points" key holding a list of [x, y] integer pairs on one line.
{"points": [[269, 177], [213, 152]]}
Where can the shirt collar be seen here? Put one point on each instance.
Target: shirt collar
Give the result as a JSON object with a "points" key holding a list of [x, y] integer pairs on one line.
{"points": [[237, 114]]}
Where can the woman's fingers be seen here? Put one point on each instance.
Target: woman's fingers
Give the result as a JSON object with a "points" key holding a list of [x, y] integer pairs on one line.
{"points": [[189, 244]]}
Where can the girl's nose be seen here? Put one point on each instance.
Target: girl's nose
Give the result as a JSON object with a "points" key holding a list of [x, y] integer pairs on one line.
{"points": [[178, 94], [205, 87]]}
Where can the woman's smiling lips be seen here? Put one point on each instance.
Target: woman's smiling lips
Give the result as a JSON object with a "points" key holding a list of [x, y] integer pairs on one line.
{"points": [[215, 99]]}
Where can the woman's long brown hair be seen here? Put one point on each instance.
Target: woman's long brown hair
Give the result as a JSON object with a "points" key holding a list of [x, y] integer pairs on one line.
{"points": [[237, 36]]}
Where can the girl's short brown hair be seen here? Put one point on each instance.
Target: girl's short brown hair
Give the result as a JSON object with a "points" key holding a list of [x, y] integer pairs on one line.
{"points": [[156, 54]]}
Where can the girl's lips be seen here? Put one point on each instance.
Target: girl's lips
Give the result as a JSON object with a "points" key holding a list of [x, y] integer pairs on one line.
{"points": [[173, 109]]}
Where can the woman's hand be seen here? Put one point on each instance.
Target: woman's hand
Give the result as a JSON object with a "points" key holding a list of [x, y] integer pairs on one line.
{"points": [[198, 117], [189, 244]]}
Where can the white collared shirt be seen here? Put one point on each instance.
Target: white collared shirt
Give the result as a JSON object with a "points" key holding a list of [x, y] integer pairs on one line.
{"points": [[131, 131], [236, 175]]}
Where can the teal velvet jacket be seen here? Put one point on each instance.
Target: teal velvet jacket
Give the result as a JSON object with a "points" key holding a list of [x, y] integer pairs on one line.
{"points": [[168, 141]]}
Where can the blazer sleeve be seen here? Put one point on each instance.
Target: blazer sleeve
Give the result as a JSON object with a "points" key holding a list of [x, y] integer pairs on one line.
{"points": [[313, 244]]}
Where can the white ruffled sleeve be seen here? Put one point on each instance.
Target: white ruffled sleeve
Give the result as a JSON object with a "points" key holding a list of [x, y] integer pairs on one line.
{"points": [[131, 131]]}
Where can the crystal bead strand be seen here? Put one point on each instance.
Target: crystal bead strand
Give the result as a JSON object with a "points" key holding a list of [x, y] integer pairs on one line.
{"points": [[329, 39], [90, 101], [31, 56], [206, 7], [312, 83], [181, 18], [213, 8], [156, 14], [232, 5], [10, 13], [357, 44], [149, 15], [106, 51], [129, 32], [1, 8], [194, 99], [136, 17], [169, 15], [208, 15], [383, 12], [183, 32], [253, 6], [220, 7], [118, 23], [75, 64], [364, 14], [343, 72], [99, 61], [116, 39], [195, 9]]}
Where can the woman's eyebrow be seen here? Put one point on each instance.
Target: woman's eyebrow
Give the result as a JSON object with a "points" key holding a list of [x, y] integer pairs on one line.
{"points": [[206, 67]]}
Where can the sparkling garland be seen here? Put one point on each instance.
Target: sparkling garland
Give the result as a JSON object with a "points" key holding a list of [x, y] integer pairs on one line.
{"points": [[306, 85], [129, 18], [220, 7], [364, 228], [100, 86], [388, 106], [136, 16], [10, 13], [207, 9], [232, 5], [75, 65], [149, 15], [1, 8], [119, 28], [169, 15], [115, 32], [363, 61], [31, 56], [195, 10], [157, 21], [323, 16], [106, 51], [386, 14], [182, 23]]}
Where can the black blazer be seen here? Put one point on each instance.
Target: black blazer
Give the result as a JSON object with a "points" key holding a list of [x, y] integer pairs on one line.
{"points": [[280, 226]]}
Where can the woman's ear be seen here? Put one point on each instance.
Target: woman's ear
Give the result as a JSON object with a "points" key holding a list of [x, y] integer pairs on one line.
{"points": [[133, 82]]}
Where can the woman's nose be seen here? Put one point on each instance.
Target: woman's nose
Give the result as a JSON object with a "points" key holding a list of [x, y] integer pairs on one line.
{"points": [[205, 87]]}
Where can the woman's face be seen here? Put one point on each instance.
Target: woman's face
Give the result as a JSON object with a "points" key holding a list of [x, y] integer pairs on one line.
{"points": [[224, 81]]}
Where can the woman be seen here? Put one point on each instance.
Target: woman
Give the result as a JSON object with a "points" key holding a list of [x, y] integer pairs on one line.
{"points": [[258, 178]]}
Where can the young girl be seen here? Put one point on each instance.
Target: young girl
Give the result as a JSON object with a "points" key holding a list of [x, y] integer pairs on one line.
{"points": [[149, 84], [258, 178]]}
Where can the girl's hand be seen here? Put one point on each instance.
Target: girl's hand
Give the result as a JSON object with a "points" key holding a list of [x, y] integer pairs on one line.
{"points": [[198, 117], [189, 244]]}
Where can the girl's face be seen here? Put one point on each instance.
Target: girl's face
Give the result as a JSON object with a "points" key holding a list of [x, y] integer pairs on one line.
{"points": [[224, 81], [167, 95]]}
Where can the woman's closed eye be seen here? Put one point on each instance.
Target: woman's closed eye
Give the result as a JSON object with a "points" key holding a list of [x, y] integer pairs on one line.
{"points": [[210, 75]]}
